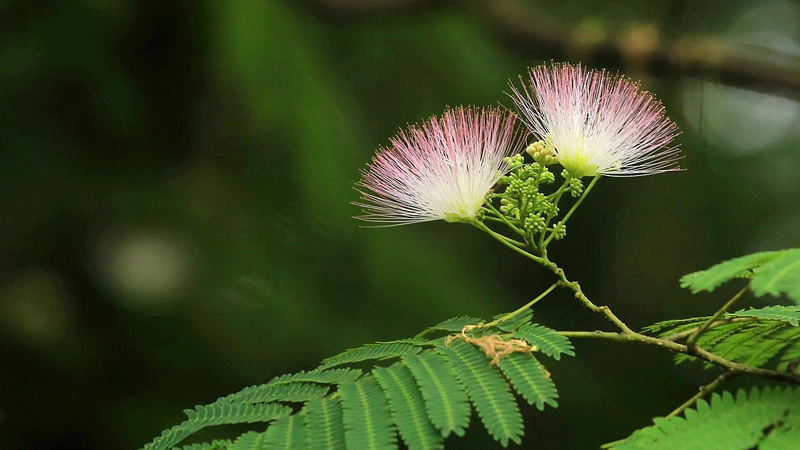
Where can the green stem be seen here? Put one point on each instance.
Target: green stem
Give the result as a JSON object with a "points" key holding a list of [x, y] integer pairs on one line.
{"points": [[572, 210], [506, 241], [503, 218], [550, 215], [522, 309], [728, 365], [576, 289], [691, 331], [704, 390], [694, 336]]}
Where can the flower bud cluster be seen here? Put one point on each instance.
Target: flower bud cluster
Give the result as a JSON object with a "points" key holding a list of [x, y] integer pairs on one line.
{"points": [[542, 153], [522, 202]]}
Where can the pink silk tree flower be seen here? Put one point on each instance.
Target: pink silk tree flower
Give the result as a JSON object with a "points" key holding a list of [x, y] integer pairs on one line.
{"points": [[596, 123], [442, 169]]}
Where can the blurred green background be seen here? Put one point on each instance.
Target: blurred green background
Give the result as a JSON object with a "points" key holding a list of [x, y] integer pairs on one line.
{"points": [[176, 180]]}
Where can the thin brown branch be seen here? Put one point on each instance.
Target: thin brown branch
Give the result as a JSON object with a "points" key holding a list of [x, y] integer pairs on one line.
{"points": [[689, 332], [641, 46], [698, 352], [704, 390], [696, 335]]}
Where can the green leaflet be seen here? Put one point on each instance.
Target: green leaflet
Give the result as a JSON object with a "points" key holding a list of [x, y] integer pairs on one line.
{"points": [[325, 424], [779, 276], [289, 433], [367, 420], [445, 399], [790, 314], [378, 350], [213, 445], [250, 441], [408, 408], [547, 340], [217, 414], [330, 376], [674, 325], [764, 420], [713, 277], [424, 398], [488, 391], [515, 322], [755, 337], [530, 379], [456, 324], [290, 392]]}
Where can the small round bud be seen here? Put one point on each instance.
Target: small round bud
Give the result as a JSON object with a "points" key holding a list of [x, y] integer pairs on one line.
{"points": [[560, 231]]}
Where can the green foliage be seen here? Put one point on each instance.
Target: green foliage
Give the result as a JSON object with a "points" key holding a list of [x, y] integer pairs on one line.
{"points": [[762, 337], [213, 445], [765, 420], [408, 408], [779, 276], [713, 277], [456, 324], [331, 376], [294, 392], [325, 424], [290, 433], [515, 322], [367, 420], [217, 414], [445, 398], [424, 397], [547, 340], [530, 379], [488, 391], [790, 314], [773, 273], [378, 350]]}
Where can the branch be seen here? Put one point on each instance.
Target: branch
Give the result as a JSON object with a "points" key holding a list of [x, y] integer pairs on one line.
{"points": [[644, 46], [689, 332], [728, 365], [704, 390], [641, 45], [694, 336], [576, 289]]}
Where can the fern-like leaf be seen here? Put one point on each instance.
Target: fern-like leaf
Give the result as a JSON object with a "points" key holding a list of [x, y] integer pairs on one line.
{"points": [[325, 424], [217, 414], [779, 276], [291, 392], [515, 322], [789, 314], [488, 391], [759, 420], [251, 440], [456, 324], [445, 399], [224, 444], [378, 350], [547, 340], [330, 376], [367, 420], [674, 325], [408, 408], [289, 433], [713, 277], [530, 379]]}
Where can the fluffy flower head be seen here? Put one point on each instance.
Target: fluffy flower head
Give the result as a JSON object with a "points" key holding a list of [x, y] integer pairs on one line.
{"points": [[597, 123], [442, 169]]}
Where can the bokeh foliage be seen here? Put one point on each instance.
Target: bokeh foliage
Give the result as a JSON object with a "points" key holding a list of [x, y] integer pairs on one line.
{"points": [[176, 181]]}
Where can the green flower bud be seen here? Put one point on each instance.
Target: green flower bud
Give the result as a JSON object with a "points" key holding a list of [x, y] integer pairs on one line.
{"points": [[541, 153], [560, 231]]}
